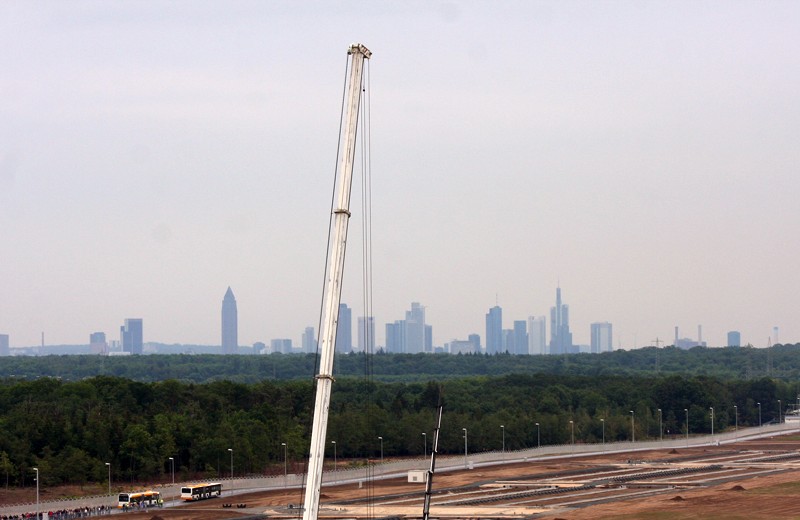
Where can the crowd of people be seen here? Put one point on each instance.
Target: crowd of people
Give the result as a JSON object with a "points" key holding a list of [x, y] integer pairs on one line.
{"points": [[62, 514]]}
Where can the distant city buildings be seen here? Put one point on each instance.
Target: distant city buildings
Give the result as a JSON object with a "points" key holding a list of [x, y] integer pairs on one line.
{"points": [[411, 335], [282, 346], [494, 330], [230, 324], [537, 335], [560, 336], [131, 336], [366, 333], [4, 348], [98, 344], [601, 337], [344, 329], [309, 340], [734, 338]]}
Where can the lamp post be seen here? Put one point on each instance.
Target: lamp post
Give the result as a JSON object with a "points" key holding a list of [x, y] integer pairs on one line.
{"points": [[334, 456], [109, 478], [424, 445], [381, 439], [712, 423], [572, 434], [172, 462], [538, 436], [285, 467], [779, 411], [633, 428], [660, 426], [759, 415], [686, 410], [37, 491], [603, 422], [465, 447], [503, 428], [231, 450], [736, 419]]}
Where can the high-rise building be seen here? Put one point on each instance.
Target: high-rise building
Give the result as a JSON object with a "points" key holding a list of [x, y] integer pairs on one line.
{"points": [[97, 343], [560, 336], [734, 338], [537, 335], [309, 341], [601, 337], [494, 330], [132, 336], [395, 337], [415, 329], [476, 340], [366, 333], [344, 329], [520, 337], [280, 345], [230, 324], [4, 348]]}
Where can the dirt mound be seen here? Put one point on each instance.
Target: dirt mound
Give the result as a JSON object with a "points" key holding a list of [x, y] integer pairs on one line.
{"points": [[677, 498], [737, 488]]}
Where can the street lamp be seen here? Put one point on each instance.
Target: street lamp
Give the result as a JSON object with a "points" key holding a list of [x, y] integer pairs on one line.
{"points": [[572, 430], [37, 491], [424, 445], [334, 456], [381, 439], [736, 419], [779, 411], [759, 415], [660, 426], [465, 447], [231, 450], [603, 423], [109, 478], [633, 428], [172, 462], [285, 470], [538, 436], [503, 428], [687, 426], [712, 423]]}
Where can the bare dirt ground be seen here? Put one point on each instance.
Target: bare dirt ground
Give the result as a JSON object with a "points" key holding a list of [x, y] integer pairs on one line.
{"points": [[765, 496]]}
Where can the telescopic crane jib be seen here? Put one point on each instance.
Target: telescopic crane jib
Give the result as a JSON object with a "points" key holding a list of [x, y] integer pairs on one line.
{"points": [[333, 283]]}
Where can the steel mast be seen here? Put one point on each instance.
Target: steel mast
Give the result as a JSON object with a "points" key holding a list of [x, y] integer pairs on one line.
{"points": [[333, 283]]}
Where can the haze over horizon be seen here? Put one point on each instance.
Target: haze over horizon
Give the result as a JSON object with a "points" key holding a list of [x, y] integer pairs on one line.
{"points": [[641, 155]]}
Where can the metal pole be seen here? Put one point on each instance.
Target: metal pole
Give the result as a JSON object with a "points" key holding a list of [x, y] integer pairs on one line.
{"points": [[285, 469], [660, 426], [538, 436], [759, 415], [779, 411], [712, 423], [231, 450], [465, 447], [424, 446], [603, 422], [736, 418], [503, 428], [172, 461], [109, 478], [381, 439], [572, 434], [334, 456], [687, 426], [37, 491], [633, 428]]}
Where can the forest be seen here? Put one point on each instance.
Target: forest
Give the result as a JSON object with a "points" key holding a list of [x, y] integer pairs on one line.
{"points": [[70, 429], [779, 361]]}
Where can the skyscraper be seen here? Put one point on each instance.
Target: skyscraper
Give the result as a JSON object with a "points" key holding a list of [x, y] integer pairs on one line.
{"points": [[344, 329], [309, 341], [415, 329], [4, 348], [560, 336], [132, 336], [537, 335], [601, 337], [520, 337], [494, 330], [366, 333], [230, 324], [734, 338], [97, 343]]}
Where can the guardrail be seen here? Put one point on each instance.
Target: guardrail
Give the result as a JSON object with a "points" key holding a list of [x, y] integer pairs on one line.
{"points": [[444, 463]]}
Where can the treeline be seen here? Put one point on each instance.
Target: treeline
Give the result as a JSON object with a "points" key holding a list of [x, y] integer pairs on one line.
{"points": [[780, 361], [70, 430]]}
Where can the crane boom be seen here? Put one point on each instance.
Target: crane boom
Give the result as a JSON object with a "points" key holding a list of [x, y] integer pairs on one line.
{"points": [[333, 282]]}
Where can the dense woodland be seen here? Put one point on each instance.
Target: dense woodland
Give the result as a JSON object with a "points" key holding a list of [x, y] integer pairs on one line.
{"points": [[69, 425], [780, 361]]}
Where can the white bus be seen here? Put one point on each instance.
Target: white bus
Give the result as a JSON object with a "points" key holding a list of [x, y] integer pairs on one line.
{"points": [[201, 491]]}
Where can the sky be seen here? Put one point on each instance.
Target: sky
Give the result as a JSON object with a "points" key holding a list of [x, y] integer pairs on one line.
{"points": [[642, 155]]}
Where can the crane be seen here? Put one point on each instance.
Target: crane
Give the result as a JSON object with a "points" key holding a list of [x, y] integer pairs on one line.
{"points": [[333, 283]]}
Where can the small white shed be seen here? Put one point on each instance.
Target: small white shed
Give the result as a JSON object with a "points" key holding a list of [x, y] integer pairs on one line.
{"points": [[418, 475]]}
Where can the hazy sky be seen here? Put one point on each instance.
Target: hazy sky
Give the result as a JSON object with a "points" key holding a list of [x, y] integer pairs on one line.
{"points": [[644, 155]]}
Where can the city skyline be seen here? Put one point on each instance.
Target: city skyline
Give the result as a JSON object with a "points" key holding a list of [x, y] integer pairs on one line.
{"points": [[641, 154]]}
